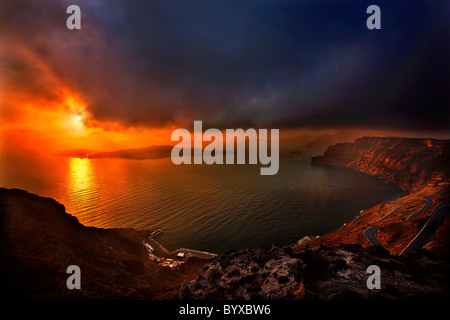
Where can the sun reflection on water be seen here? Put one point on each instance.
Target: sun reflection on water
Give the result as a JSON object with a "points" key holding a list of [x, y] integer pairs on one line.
{"points": [[81, 187], [80, 175]]}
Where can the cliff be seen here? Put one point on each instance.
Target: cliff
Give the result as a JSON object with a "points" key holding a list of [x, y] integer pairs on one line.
{"points": [[409, 163], [39, 240], [421, 167]]}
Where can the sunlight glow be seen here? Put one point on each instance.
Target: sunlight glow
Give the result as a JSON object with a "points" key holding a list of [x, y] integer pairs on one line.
{"points": [[75, 125]]}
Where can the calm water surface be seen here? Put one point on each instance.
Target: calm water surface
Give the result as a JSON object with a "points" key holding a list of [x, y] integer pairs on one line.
{"points": [[212, 208]]}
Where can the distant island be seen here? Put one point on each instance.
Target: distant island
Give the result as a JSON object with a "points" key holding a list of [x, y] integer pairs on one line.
{"points": [[152, 152], [288, 147]]}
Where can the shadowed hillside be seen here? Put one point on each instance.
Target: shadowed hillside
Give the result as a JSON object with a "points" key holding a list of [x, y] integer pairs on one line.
{"points": [[39, 240]]}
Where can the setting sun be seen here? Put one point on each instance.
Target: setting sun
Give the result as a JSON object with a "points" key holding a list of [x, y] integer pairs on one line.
{"points": [[74, 125]]}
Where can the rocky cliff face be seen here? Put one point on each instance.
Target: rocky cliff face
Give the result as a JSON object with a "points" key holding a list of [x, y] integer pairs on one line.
{"points": [[409, 163], [422, 168]]}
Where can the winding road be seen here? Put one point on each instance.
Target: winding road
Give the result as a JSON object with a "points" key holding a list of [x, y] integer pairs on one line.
{"points": [[389, 214], [429, 229], [425, 207], [371, 233], [425, 234]]}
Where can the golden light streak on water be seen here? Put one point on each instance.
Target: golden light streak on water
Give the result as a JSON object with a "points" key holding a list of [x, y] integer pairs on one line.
{"points": [[81, 184], [80, 176]]}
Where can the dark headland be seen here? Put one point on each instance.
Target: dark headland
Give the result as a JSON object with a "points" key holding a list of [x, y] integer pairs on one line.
{"points": [[39, 240]]}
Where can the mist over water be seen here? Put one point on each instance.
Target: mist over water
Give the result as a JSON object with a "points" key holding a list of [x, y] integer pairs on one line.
{"points": [[212, 208]]}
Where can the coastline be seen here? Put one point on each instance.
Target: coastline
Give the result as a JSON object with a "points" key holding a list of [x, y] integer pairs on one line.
{"points": [[311, 238], [379, 177], [395, 228], [41, 239]]}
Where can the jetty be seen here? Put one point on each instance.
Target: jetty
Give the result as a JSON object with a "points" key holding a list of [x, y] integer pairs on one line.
{"points": [[161, 255]]}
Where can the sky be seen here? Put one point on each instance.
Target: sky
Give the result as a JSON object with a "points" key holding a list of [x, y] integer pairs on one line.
{"points": [[139, 69]]}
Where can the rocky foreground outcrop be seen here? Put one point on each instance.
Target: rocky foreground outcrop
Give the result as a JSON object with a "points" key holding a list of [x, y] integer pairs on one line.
{"points": [[318, 273], [334, 266]]}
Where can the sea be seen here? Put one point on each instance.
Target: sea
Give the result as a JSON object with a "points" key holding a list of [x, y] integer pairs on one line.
{"points": [[211, 208]]}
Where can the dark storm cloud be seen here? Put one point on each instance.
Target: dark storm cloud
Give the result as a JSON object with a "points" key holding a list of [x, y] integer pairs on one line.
{"points": [[249, 63]]}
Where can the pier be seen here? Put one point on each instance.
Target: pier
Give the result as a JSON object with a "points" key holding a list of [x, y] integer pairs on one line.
{"points": [[171, 259]]}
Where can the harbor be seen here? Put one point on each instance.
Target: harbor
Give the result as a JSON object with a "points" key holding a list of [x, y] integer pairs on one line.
{"points": [[164, 257]]}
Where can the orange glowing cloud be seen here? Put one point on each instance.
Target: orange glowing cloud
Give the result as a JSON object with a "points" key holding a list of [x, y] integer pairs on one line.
{"points": [[42, 111], [31, 122]]}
